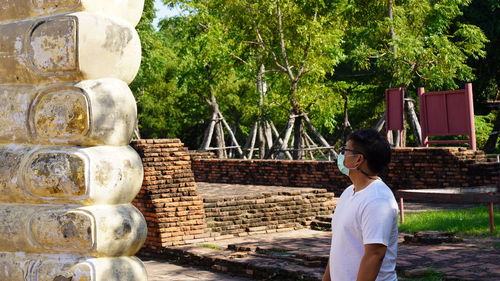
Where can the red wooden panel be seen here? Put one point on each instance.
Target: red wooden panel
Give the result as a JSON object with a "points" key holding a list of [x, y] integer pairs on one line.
{"points": [[394, 101], [458, 118], [436, 115], [447, 113]]}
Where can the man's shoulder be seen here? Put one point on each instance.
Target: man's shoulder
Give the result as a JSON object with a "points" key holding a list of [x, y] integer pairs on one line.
{"points": [[347, 191], [380, 192]]}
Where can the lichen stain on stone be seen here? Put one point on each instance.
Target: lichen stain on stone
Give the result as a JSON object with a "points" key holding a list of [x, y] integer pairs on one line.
{"points": [[10, 156], [107, 175], [53, 45], [62, 115], [62, 278], [45, 4], [62, 231], [57, 175], [13, 109], [117, 38], [122, 232]]}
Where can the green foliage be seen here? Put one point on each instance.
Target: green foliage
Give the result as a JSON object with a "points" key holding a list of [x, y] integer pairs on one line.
{"points": [[466, 222], [155, 86], [328, 52], [485, 14], [484, 126], [429, 47]]}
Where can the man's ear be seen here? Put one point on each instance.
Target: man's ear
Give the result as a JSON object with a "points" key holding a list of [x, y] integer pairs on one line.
{"points": [[360, 159]]}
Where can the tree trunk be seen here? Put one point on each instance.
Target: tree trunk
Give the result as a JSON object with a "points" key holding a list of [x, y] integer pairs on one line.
{"points": [[321, 139], [219, 136], [207, 138], [347, 125], [137, 133], [261, 84], [392, 34], [417, 131], [250, 144], [284, 145], [262, 142], [279, 140], [231, 135], [298, 144], [380, 123], [268, 134], [490, 145]]}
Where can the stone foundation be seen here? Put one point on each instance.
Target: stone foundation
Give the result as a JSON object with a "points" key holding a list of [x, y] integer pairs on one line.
{"points": [[239, 210]]}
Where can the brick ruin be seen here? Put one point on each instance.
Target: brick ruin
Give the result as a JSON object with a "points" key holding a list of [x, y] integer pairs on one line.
{"points": [[177, 214], [169, 199], [411, 168], [179, 211]]}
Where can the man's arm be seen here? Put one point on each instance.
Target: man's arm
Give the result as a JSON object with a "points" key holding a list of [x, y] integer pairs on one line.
{"points": [[326, 276], [371, 262]]}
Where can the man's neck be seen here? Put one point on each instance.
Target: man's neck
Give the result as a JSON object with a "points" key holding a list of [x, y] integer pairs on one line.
{"points": [[359, 180]]}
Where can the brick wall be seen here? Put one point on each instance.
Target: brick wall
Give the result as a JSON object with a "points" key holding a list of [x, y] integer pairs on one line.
{"points": [[411, 168], [241, 210], [177, 214], [169, 199]]}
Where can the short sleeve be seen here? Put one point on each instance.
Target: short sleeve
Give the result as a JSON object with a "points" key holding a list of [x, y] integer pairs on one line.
{"points": [[378, 221]]}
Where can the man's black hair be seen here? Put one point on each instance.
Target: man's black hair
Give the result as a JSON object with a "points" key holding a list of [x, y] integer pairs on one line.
{"points": [[374, 146]]}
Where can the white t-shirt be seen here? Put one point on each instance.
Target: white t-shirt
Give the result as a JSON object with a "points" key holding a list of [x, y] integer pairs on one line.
{"points": [[369, 216]]}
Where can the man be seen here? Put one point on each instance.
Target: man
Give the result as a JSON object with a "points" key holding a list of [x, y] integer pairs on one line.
{"points": [[365, 221]]}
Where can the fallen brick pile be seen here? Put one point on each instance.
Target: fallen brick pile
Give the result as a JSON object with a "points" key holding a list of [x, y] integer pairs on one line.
{"points": [[239, 210]]}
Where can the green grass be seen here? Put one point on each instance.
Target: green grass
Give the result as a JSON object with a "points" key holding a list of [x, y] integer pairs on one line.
{"points": [[424, 275], [211, 246], [464, 222]]}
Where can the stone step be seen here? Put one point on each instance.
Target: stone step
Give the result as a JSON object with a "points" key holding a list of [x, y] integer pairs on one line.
{"points": [[321, 225], [326, 218], [237, 211], [268, 265], [296, 257]]}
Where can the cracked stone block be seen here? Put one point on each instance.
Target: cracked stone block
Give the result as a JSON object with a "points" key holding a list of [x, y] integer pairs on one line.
{"points": [[46, 267], [63, 48], [92, 112], [69, 175], [128, 10], [99, 231]]}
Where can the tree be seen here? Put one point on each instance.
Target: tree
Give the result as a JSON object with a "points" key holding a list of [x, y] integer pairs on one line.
{"points": [[155, 85], [410, 44], [297, 42], [209, 72]]}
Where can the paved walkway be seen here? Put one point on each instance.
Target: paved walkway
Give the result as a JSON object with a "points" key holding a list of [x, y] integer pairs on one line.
{"points": [[159, 270], [473, 259]]}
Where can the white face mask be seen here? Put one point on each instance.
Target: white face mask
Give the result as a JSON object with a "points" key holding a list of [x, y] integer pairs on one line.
{"points": [[340, 164]]}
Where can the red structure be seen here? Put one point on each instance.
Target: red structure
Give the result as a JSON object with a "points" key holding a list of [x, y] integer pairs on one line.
{"points": [[394, 118], [447, 113], [394, 99]]}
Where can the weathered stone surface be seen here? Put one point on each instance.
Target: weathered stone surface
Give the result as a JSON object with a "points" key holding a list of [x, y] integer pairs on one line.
{"points": [[93, 112], [63, 48], [67, 115], [69, 175], [100, 231], [32, 267], [129, 10]]}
